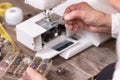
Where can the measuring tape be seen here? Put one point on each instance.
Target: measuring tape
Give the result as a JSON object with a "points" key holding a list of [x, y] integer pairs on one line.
{"points": [[3, 7], [5, 35]]}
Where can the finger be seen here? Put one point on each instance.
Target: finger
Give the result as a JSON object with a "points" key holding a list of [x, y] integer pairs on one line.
{"points": [[76, 28], [69, 24], [84, 26], [77, 14], [66, 25], [33, 74], [70, 27], [25, 77], [93, 29], [81, 24], [70, 8]]}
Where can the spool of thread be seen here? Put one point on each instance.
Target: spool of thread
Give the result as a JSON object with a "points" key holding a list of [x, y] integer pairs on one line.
{"points": [[13, 16]]}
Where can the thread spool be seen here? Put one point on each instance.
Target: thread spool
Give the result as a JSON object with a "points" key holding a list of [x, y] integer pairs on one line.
{"points": [[13, 16]]}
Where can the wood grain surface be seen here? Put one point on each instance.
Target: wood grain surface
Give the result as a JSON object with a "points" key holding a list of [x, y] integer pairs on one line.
{"points": [[82, 66]]}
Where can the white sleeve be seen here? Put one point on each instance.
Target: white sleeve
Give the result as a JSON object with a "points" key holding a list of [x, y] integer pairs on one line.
{"points": [[115, 24]]}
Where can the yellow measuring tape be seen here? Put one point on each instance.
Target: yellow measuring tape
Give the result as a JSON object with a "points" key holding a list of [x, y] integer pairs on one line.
{"points": [[3, 7], [5, 35]]}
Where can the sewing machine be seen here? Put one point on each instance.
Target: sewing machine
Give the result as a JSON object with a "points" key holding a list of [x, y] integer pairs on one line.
{"points": [[44, 33]]}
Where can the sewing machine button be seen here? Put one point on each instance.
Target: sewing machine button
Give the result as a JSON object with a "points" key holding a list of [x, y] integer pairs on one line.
{"points": [[5, 63], [17, 61], [24, 65], [36, 62], [11, 70], [9, 59], [15, 64], [27, 60], [34, 66], [21, 70], [42, 68]]}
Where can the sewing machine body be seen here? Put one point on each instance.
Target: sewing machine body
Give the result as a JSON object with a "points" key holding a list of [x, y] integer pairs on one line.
{"points": [[55, 39]]}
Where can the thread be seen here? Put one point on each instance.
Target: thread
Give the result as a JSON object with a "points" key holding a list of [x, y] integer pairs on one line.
{"points": [[13, 16]]}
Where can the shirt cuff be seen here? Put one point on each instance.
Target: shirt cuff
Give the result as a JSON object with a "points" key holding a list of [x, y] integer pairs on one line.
{"points": [[115, 24]]}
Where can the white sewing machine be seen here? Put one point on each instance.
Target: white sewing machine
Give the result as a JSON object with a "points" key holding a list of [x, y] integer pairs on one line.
{"points": [[50, 38]]}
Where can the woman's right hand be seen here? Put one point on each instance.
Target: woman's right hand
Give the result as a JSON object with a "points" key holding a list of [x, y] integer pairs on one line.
{"points": [[83, 16]]}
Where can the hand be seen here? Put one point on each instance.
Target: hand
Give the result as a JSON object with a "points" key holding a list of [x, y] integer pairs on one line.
{"points": [[115, 4], [83, 16], [32, 75]]}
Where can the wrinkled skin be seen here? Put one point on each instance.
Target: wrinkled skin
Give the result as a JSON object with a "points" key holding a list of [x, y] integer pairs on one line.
{"points": [[83, 16]]}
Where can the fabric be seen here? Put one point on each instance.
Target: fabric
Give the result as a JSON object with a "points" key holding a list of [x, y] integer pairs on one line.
{"points": [[115, 24], [106, 73]]}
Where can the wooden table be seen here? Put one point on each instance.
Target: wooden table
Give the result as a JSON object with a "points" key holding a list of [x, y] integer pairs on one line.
{"points": [[82, 66]]}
